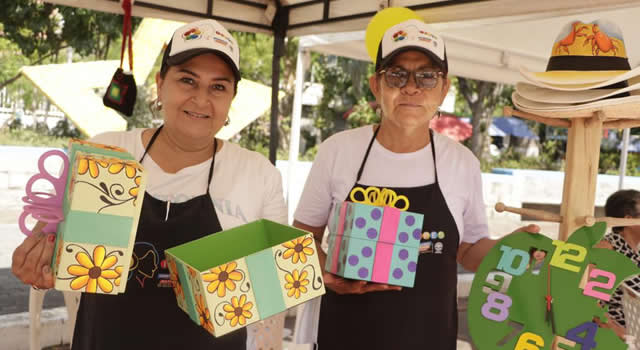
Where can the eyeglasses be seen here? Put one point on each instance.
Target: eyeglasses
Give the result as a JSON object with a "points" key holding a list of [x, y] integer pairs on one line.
{"points": [[397, 77]]}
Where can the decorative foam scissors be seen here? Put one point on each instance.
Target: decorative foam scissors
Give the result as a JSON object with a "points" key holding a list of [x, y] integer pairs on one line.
{"points": [[44, 206], [379, 197]]}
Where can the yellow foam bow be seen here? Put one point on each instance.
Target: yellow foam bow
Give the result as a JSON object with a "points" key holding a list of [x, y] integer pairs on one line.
{"points": [[379, 197]]}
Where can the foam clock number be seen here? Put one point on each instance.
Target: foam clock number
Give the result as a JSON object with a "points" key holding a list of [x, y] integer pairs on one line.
{"points": [[509, 256], [529, 341], [498, 279], [497, 301], [557, 341], [560, 260], [588, 341], [595, 273]]}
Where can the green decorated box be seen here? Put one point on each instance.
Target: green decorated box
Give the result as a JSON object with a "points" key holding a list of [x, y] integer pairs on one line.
{"points": [[230, 279], [102, 202]]}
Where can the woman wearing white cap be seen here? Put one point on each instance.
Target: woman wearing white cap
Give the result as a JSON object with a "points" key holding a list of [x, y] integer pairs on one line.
{"points": [[440, 177], [197, 185]]}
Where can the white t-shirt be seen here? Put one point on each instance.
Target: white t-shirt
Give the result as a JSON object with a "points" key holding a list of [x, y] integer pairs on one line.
{"points": [[335, 170], [245, 186]]}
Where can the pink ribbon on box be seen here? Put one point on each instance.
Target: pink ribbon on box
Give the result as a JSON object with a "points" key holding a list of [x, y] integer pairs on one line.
{"points": [[43, 206]]}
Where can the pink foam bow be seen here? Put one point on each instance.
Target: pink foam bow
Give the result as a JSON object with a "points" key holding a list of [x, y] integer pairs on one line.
{"points": [[43, 206]]}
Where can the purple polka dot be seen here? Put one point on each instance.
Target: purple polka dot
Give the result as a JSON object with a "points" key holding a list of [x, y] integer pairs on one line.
{"points": [[366, 252], [397, 273], [353, 260], [417, 234], [404, 254], [376, 214], [372, 233], [403, 237], [412, 266], [360, 222], [363, 272], [410, 220]]}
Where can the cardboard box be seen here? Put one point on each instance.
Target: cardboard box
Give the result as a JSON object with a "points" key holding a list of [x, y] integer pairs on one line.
{"points": [[374, 243], [102, 202], [230, 279]]}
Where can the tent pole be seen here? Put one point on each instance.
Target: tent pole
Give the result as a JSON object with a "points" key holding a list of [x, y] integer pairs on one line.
{"points": [[623, 157], [296, 116], [280, 23]]}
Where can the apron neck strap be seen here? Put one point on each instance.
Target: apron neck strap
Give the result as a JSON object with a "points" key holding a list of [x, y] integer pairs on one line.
{"points": [[375, 133], [366, 155], [213, 159]]}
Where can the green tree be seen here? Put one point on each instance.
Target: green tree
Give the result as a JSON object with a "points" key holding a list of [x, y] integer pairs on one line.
{"points": [[346, 86], [41, 30], [482, 100], [255, 64]]}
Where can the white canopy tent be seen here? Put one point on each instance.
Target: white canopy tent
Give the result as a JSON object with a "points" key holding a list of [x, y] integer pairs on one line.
{"points": [[486, 39], [487, 35]]}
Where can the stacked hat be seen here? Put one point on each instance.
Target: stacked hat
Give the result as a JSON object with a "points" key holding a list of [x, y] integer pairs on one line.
{"points": [[588, 71], [397, 29]]}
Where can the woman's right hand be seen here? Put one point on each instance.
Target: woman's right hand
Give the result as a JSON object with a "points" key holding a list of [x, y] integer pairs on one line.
{"points": [[31, 262], [347, 286]]}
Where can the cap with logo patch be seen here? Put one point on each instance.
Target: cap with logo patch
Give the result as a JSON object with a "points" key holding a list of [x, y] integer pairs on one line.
{"points": [[200, 37], [412, 34]]}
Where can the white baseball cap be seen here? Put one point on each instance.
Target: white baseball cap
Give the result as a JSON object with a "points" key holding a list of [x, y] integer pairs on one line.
{"points": [[412, 34], [204, 36]]}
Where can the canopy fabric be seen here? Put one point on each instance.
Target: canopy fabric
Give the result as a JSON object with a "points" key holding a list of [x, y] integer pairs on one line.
{"points": [[304, 17], [514, 127]]}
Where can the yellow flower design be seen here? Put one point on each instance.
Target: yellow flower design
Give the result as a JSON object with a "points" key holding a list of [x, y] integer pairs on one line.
{"points": [[296, 283], [238, 310], [129, 168], [119, 272], [222, 278], [93, 273], [177, 287], [298, 249], [203, 314], [134, 190], [91, 165]]}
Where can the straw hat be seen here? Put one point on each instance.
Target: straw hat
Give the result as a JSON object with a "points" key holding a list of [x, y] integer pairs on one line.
{"points": [[585, 56]]}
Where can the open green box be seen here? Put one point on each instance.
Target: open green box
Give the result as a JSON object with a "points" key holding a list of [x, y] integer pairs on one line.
{"points": [[230, 279]]}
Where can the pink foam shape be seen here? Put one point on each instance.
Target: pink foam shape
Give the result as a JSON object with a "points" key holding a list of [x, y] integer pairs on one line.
{"points": [[382, 262], [389, 227], [338, 241], [42, 206]]}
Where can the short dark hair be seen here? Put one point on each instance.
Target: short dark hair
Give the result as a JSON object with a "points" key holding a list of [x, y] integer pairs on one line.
{"points": [[621, 204]]}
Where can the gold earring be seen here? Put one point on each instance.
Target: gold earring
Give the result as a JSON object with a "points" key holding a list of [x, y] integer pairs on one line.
{"points": [[228, 121]]}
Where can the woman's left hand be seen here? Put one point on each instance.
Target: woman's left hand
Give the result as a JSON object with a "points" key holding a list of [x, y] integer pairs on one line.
{"points": [[531, 228]]}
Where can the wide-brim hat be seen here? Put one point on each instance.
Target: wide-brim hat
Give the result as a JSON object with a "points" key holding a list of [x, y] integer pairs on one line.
{"points": [[585, 56], [201, 37], [395, 30], [612, 108], [551, 96]]}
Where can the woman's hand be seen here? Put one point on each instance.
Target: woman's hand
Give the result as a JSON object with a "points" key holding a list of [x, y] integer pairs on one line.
{"points": [[346, 286], [32, 259]]}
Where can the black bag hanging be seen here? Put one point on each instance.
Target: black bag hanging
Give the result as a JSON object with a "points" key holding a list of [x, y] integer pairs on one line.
{"points": [[122, 91]]}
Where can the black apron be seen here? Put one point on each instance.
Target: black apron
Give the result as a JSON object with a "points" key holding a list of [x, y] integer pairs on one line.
{"points": [[422, 317], [147, 315]]}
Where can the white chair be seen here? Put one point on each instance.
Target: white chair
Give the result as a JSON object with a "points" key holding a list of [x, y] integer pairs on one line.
{"points": [[36, 297], [266, 334], [631, 307]]}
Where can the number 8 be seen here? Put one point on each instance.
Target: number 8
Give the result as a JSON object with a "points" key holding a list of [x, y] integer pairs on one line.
{"points": [[497, 301]]}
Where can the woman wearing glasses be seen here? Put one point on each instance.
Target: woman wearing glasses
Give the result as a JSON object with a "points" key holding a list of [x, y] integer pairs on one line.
{"points": [[441, 179]]}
